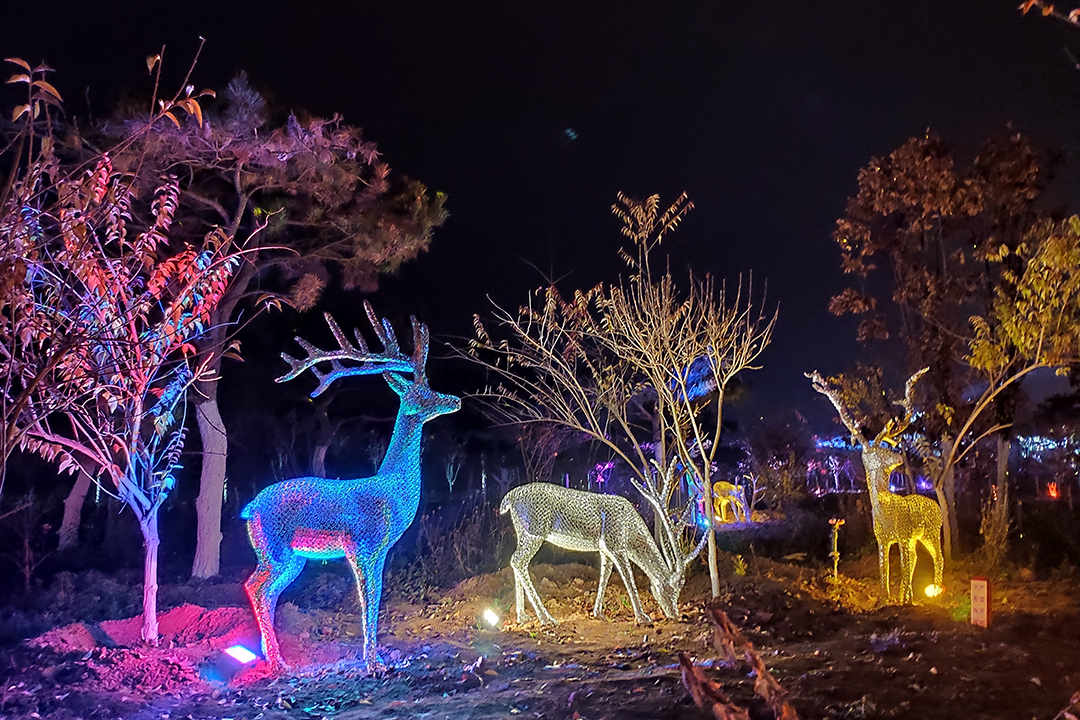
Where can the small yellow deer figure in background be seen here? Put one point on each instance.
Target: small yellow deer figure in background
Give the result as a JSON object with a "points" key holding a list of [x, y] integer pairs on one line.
{"points": [[727, 495], [905, 520]]}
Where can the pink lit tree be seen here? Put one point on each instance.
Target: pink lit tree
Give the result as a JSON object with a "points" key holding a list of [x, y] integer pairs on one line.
{"points": [[126, 308], [327, 206]]}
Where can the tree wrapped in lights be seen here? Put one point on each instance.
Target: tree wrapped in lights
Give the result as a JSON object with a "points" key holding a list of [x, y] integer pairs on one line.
{"points": [[640, 367]]}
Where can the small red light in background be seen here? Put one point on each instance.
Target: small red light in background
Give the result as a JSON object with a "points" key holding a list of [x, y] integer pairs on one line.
{"points": [[1052, 491]]}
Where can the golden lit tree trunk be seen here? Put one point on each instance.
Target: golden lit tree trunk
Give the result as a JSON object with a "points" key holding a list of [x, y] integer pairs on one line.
{"points": [[714, 573], [945, 489]]}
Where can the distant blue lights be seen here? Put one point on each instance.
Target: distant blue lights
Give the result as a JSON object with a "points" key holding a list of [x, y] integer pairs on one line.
{"points": [[1035, 446], [840, 442]]}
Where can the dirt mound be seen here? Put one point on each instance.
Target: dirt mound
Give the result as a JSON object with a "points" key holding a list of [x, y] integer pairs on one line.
{"points": [[217, 626], [142, 670], [76, 637], [180, 627]]}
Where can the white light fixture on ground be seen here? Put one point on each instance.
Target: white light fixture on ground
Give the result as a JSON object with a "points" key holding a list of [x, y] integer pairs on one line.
{"points": [[241, 654], [491, 617]]}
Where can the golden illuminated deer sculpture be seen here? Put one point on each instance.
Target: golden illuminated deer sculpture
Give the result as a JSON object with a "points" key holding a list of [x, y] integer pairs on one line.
{"points": [[728, 495], [902, 519]]}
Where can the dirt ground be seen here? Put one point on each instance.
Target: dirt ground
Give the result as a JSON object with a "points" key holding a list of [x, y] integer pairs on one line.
{"points": [[847, 659]]}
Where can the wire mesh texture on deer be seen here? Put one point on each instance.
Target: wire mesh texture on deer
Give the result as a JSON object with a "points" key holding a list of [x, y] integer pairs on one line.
{"points": [[358, 520], [906, 520], [589, 522]]}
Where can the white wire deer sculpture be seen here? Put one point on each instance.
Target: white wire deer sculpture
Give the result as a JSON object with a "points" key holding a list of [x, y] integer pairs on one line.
{"points": [[359, 520], [591, 522], [905, 520]]}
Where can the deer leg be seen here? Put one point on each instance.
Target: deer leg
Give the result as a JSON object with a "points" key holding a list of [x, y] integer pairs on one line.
{"points": [[605, 574], [883, 568], [626, 572], [932, 542], [263, 588], [373, 589], [907, 569], [369, 577], [528, 545], [358, 577]]}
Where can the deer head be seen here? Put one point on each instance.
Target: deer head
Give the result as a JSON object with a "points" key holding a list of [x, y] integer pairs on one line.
{"points": [[417, 398]]}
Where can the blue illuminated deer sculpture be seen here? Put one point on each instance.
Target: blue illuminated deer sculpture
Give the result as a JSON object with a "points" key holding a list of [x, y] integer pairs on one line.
{"points": [[359, 520]]}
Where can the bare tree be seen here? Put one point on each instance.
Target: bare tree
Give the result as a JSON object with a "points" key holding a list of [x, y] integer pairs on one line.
{"points": [[639, 367], [27, 530], [454, 462], [540, 445]]}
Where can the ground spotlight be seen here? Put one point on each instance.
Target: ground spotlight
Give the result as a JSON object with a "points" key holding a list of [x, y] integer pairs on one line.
{"points": [[226, 664], [241, 654]]}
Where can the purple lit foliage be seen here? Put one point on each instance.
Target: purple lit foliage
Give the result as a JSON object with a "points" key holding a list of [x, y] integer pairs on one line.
{"points": [[601, 473]]}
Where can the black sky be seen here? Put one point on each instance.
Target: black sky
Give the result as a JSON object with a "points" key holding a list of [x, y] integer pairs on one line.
{"points": [[762, 112]]}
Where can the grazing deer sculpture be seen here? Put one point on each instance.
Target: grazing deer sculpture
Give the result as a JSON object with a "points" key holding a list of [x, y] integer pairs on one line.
{"points": [[905, 520], [589, 522], [361, 519]]}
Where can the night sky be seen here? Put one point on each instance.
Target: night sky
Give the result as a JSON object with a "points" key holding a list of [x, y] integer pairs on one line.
{"points": [[532, 116]]}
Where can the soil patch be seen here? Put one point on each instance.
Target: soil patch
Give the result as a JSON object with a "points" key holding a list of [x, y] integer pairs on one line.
{"points": [[442, 661]]}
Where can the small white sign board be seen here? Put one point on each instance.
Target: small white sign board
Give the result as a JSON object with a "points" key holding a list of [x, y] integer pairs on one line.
{"points": [[980, 601]]}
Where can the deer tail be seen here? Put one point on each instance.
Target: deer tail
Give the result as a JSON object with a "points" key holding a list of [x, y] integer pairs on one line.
{"points": [[504, 507], [249, 511]]}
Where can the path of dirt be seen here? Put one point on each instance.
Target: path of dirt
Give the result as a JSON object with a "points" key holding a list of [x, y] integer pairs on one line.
{"points": [[892, 662]]}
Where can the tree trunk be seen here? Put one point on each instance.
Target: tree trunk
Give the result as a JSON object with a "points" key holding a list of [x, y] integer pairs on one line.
{"points": [[151, 540], [714, 573], [215, 445], [945, 488], [318, 460], [69, 527], [953, 545], [1004, 447], [4, 457], [326, 431]]}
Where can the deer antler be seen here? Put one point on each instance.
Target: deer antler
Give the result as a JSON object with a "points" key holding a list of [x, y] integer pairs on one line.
{"points": [[906, 402], [823, 387], [896, 426], [391, 359]]}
